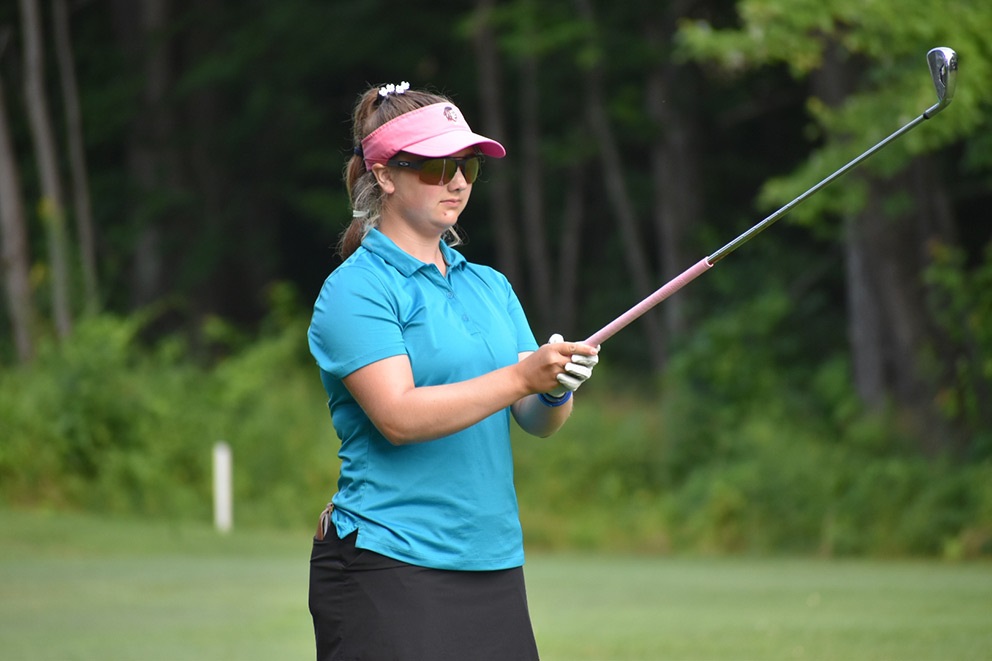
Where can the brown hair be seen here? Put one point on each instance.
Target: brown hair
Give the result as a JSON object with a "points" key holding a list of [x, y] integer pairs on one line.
{"points": [[371, 112]]}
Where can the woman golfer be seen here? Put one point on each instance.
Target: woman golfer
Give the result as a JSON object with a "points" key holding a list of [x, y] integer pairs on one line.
{"points": [[425, 358]]}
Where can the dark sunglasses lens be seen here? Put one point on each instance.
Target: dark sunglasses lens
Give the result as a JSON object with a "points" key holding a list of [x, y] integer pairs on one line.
{"points": [[471, 168], [436, 171]]}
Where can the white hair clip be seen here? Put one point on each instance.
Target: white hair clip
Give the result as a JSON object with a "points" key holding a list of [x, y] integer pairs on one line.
{"points": [[394, 89], [359, 213]]}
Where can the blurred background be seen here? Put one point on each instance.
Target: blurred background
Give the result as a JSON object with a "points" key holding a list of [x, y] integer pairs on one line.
{"points": [[171, 195]]}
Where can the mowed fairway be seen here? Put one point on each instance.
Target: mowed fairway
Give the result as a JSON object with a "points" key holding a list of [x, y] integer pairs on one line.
{"points": [[76, 587], [737, 609]]}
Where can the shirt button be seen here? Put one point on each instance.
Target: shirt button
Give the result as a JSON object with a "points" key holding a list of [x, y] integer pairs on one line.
{"points": [[464, 317], [451, 294]]}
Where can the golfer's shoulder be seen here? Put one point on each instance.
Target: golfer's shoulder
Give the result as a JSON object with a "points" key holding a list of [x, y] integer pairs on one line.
{"points": [[359, 275], [488, 275]]}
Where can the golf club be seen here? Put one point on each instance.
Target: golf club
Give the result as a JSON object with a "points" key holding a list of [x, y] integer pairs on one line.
{"points": [[943, 64]]}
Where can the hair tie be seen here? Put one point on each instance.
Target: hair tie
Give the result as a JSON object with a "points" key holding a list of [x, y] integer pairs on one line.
{"points": [[393, 89], [359, 152]]}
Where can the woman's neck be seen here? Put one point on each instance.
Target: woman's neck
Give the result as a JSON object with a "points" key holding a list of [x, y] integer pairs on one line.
{"points": [[427, 249]]}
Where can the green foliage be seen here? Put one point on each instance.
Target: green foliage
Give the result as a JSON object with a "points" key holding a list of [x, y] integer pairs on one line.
{"points": [[889, 39], [729, 454], [622, 476], [84, 425], [272, 410], [736, 453], [962, 307], [103, 423]]}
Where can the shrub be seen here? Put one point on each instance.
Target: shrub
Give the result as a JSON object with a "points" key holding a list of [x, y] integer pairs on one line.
{"points": [[108, 424], [104, 423]]}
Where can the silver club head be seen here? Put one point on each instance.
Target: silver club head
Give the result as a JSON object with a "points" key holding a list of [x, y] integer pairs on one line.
{"points": [[944, 70]]}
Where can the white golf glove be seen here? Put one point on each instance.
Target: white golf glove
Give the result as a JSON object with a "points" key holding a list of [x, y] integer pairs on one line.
{"points": [[577, 370]]}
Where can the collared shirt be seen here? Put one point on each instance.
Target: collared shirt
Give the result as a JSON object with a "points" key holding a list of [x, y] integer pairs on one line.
{"points": [[447, 503]]}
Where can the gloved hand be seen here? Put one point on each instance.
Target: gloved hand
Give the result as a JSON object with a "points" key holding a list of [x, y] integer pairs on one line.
{"points": [[577, 370]]}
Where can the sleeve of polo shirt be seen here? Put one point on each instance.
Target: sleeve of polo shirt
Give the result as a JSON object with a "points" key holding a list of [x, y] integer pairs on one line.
{"points": [[525, 336], [354, 323]]}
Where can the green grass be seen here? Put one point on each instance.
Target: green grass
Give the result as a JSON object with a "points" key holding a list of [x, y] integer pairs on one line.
{"points": [[78, 587], [89, 588], [702, 609]]}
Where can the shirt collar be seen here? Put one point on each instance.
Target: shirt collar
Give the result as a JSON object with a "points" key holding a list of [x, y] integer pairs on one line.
{"points": [[381, 245]]}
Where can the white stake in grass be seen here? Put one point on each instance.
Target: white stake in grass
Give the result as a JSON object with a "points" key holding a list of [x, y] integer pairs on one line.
{"points": [[223, 499]]}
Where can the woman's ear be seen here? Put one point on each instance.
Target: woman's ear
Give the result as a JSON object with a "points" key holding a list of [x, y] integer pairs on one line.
{"points": [[384, 177]]}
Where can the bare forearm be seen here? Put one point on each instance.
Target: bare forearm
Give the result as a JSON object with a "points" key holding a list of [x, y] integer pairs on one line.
{"points": [[430, 412], [405, 413]]}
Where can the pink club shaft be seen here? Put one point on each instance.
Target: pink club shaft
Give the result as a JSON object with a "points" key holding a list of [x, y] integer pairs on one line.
{"points": [[666, 290]]}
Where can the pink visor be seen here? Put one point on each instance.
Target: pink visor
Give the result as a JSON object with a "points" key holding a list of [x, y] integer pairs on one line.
{"points": [[432, 131]]}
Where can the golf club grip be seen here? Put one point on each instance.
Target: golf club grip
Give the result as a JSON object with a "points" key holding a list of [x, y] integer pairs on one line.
{"points": [[666, 290]]}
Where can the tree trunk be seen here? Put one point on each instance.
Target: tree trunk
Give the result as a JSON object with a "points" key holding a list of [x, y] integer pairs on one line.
{"points": [[203, 116], [891, 328], [630, 230], [14, 238], [51, 205], [151, 161], [889, 325], [77, 155], [865, 328], [674, 170], [569, 254], [541, 272], [490, 91]]}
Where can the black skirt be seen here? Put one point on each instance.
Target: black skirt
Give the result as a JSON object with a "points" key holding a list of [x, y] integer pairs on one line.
{"points": [[369, 607]]}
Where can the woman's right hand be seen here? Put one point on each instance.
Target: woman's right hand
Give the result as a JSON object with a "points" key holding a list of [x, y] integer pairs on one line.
{"points": [[559, 366]]}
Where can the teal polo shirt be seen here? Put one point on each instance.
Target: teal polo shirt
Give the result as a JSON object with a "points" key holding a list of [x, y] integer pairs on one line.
{"points": [[449, 503]]}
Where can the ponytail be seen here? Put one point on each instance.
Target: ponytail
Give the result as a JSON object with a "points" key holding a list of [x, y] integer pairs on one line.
{"points": [[366, 204]]}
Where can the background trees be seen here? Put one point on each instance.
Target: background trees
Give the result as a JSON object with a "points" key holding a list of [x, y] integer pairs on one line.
{"points": [[894, 214], [210, 135]]}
